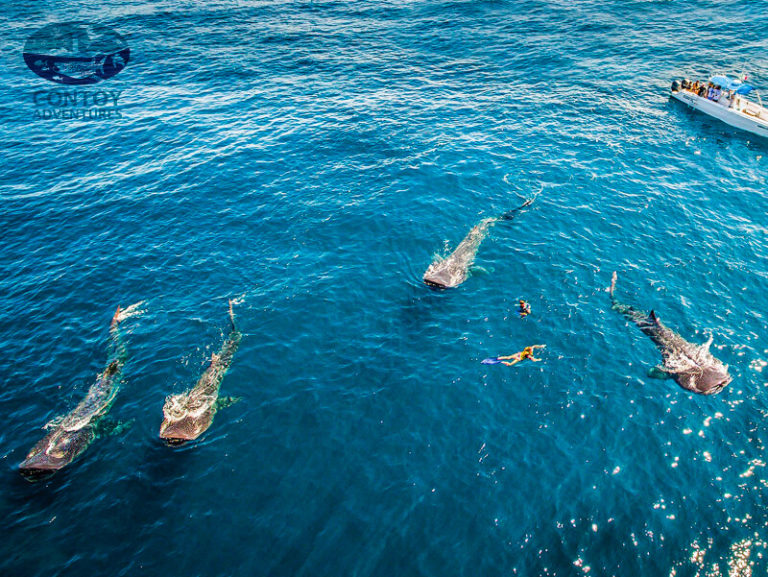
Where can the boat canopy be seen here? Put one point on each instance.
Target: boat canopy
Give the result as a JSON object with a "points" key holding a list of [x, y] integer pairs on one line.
{"points": [[732, 84]]}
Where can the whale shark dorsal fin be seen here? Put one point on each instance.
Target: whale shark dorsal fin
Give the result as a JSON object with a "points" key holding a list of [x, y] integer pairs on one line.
{"points": [[653, 318], [231, 316]]}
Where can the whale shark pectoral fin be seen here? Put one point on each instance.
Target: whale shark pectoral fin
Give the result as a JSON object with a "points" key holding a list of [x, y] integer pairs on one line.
{"points": [[477, 269], [224, 402], [658, 372]]}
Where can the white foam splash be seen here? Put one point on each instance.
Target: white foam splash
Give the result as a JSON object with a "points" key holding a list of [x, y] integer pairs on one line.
{"points": [[53, 423], [238, 300], [133, 310], [74, 422]]}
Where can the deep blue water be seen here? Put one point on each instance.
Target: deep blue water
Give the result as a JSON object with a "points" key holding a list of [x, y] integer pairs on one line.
{"points": [[309, 159]]}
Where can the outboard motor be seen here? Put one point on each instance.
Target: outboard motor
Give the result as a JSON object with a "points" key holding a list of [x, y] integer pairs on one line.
{"points": [[675, 86]]}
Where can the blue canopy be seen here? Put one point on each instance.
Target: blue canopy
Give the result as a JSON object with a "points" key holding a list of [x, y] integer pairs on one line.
{"points": [[732, 84]]}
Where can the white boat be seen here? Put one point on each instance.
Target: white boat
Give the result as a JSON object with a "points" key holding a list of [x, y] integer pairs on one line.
{"points": [[732, 106]]}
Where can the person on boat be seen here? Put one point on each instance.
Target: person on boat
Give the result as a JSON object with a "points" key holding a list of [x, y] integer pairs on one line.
{"points": [[710, 92], [695, 87], [702, 91], [526, 353], [525, 309], [717, 93]]}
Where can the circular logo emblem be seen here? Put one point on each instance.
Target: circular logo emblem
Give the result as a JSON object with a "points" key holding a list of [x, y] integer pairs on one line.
{"points": [[76, 53]]}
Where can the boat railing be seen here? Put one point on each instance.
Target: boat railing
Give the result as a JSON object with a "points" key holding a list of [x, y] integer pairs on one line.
{"points": [[743, 105], [754, 110]]}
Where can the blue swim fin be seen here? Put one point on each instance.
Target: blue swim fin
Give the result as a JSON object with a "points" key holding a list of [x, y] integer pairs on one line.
{"points": [[491, 361]]}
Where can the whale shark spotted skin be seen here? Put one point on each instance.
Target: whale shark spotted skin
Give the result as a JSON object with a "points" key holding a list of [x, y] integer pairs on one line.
{"points": [[188, 415], [453, 270], [71, 434], [691, 366]]}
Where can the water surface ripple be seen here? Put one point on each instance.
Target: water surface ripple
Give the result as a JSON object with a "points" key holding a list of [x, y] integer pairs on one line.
{"points": [[309, 159]]}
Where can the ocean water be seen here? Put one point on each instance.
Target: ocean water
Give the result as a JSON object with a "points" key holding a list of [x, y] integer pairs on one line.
{"points": [[309, 159]]}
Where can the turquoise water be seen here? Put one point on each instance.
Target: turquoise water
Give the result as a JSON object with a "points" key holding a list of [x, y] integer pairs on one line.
{"points": [[309, 159]]}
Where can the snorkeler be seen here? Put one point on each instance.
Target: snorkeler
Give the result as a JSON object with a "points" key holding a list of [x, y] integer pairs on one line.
{"points": [[526, 353], [525, 309]]}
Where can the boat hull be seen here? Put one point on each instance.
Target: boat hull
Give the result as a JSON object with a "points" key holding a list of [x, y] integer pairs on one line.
{"points": [[730, 116]]}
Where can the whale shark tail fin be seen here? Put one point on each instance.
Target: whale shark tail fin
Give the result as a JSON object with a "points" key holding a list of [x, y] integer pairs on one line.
{"points": [[616, 305], [706, 345], [510, 214], [642, 319], [116, 319], [231, 316], [612, 288]]}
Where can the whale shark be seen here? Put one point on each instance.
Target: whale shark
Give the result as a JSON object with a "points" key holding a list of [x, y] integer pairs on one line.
{"points": [[71, 434], [188, 415], [691, 366], [453, 270]]}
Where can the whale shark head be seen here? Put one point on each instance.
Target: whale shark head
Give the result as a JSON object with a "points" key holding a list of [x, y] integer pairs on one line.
{"points": [[712, 376], [54, 452], [439, 280], [187, 428], [700, 373], [186, 417], [444, 274], [711, 379]]}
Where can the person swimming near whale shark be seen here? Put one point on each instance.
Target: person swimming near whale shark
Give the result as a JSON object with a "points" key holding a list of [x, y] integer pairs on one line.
{"points": [[525, 354], [524, 309]]}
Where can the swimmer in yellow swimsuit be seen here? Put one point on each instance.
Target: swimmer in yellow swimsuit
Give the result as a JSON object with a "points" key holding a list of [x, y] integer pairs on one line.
{"points": [[526, 353]]}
